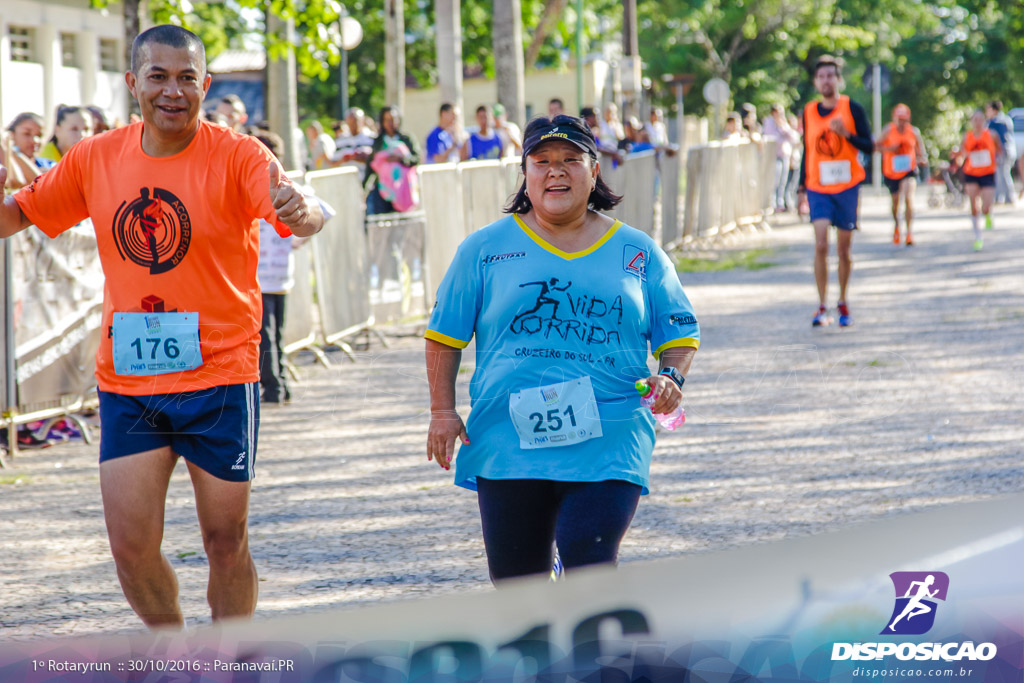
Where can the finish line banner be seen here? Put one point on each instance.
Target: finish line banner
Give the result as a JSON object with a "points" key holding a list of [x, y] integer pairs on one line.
{"points": [[935, 596]]}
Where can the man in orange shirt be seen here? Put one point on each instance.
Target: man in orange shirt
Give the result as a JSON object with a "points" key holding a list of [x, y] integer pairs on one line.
{"points": [[175, 202], [835, 129], [902, 151]]}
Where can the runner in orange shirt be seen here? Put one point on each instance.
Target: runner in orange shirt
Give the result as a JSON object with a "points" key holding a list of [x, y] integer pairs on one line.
{"points": [[836, 133], [978, 153], [176, 204], [902, 152]]}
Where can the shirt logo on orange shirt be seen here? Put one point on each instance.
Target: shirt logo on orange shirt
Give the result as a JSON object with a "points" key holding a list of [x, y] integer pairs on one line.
{"points": [[153, 231], [829, 144]]}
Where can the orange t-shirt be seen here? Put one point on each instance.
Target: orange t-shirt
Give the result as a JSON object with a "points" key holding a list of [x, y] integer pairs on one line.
{"points": [[177, 233], [907, 144], [973, 144], [831, 160]]}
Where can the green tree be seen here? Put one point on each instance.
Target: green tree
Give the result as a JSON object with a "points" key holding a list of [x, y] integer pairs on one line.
{"points": [[944, 56]]}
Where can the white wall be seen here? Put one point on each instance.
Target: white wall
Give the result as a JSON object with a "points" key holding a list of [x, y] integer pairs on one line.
{"points": [[41, 85], [14, 100]]}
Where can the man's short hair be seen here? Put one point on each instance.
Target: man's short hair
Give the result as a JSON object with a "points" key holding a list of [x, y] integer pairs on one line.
{"points": [[447, 106], [555, 100], [170, 35], [829, 60], [235, 102], [996, 104], [481, 108]]}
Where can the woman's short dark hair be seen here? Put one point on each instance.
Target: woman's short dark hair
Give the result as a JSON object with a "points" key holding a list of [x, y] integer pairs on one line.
{"points": [[601, 197], [64, 111], [23, 117]]}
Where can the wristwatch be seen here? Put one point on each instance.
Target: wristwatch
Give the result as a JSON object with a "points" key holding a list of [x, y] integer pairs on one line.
{"points": [[673, 375]]}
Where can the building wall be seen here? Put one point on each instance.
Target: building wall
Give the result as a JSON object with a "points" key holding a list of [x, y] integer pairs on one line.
{"points": [[96, 44]]}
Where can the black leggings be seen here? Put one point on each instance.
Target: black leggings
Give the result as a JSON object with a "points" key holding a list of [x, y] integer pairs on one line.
{"points": [[523, 518]]}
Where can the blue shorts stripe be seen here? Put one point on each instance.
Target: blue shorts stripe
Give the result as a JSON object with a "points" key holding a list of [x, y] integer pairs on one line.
{"points": [[250, 393]]}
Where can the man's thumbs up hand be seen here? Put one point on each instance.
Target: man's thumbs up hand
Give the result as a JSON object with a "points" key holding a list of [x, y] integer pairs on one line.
{"points": [[298, 212]]}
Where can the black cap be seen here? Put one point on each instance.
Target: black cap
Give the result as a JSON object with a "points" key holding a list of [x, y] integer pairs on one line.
{"points": [[562, 127]]}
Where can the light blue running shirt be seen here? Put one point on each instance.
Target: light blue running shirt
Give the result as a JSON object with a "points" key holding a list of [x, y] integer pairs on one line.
{"points": [[542, 317]]}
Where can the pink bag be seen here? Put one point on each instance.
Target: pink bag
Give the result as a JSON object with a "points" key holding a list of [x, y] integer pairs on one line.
{"points": [[396, 183]]}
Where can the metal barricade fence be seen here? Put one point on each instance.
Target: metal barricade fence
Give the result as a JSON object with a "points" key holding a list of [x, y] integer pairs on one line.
{"points": [[728, 185], [670, 171], [340, 257], [512, 169], [483, 193], [769, 152], [396, 284], [299, 322], [637, 176], [441, 189], [53, 317]]}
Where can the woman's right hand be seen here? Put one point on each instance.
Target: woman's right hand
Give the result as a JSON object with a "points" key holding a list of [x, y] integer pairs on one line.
{"points": [[445, 427]]}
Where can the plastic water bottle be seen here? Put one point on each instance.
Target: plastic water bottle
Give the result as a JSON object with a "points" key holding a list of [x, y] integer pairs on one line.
{"points": [[669, 421]]}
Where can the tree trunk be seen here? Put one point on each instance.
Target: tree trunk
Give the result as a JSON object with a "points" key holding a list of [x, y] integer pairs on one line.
{"points": [[507, 34], [552, 10]]}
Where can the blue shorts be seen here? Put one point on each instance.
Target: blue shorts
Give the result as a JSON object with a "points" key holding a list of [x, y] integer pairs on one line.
{"points": [[215, 429], [840, 209], [893, 184], [987, 180]]}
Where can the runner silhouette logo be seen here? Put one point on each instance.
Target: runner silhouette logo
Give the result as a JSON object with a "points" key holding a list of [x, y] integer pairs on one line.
{"points": [[916, 595], [153, 230]]}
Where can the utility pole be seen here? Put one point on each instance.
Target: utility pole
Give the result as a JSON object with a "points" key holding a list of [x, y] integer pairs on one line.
{"points": [[630, 69]]}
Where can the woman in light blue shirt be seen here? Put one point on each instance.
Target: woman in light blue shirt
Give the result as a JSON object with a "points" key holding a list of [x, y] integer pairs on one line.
{"points": [[565, 303]]}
